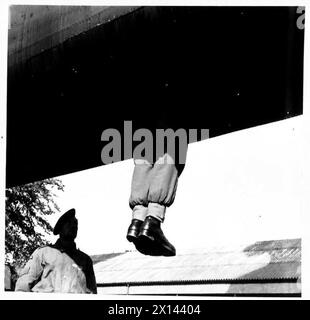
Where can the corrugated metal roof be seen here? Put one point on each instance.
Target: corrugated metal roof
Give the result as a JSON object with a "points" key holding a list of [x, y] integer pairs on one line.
{"points": [[278, 259]]}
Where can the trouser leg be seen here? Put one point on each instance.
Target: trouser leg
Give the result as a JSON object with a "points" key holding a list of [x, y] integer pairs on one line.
{"points": [[139, 189], [163, 180]]}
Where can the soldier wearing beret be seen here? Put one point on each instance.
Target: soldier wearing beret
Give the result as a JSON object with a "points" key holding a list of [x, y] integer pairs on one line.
{"points": [[60, 267]]}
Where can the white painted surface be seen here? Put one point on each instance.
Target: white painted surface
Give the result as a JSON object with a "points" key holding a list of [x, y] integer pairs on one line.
{"points": [[241, 187]]}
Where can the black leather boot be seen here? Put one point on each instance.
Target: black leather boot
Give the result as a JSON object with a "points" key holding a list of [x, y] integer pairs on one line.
{"points": [[134, 230], [133, 233], [154, 240]]}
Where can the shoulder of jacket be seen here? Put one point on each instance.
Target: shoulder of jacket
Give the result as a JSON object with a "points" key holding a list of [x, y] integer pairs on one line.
{"points": [[44, 248], [37, 254], [39, 249]]}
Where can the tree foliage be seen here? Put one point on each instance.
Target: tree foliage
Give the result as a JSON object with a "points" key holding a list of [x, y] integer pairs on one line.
{"points": [[25, 218]]}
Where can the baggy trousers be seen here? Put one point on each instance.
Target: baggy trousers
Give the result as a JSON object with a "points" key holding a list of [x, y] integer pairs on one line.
{"points": [[153, 187]]}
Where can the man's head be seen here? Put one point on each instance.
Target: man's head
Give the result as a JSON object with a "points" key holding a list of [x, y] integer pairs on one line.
{"points": [[67, 226]]}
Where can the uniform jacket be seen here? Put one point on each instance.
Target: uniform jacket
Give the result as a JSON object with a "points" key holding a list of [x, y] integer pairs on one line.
{"points": [[58, 268]]}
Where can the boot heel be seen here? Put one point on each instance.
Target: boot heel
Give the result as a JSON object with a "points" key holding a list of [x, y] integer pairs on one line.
{"points": [[133, 230], [145, 233], [131, 235]]}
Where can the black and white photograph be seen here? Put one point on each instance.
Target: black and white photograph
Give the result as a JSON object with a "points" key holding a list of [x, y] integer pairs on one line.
{"points": [[154, 151]]}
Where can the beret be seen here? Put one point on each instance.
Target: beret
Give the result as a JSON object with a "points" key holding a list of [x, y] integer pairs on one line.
{"points": [[63, 219]]}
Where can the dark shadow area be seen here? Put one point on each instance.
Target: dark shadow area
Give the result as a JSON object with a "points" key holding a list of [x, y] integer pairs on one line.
{"points": [[219, 68]]}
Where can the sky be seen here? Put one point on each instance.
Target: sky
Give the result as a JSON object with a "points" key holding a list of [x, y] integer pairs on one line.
{"points": [[238, 188]]}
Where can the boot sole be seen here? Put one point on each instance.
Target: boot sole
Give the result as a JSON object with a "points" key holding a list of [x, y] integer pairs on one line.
{"points": [[141, 246], [156, 248]]}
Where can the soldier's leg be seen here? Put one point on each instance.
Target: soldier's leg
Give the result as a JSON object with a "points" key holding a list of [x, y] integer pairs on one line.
{"points": [[162, 187], [162, 190], [138, 201]]}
